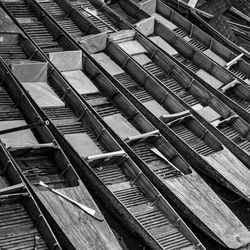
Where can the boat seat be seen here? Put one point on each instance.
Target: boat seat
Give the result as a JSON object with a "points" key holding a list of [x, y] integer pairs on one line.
{"points": [[146, 137], [149, 6], [94, 43], [197, 107], [165, 22], [163, 45], [190, 3], [33, 77], [43, 94], [106, 159], [209, 53], [18, 138], [176, 116], [67, 60], [133, 48], [80, 82], [212, 81], [12, 189], [227, 121], [122, 36], [83, 144], [146, 26], [32, 71], [41, 147], [155, 108], [108, 64], [120, 126], [38, 148], [229, 85], [234, 61], [209, 114], [142, 59]]}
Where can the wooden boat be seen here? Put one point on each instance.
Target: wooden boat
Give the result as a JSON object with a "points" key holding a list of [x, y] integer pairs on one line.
{"points": [[150, 151], [140, 131], [23, 225], [39, 158], [115, 177], [214, 77], [169, 109], [228, 132], [235, 25]]}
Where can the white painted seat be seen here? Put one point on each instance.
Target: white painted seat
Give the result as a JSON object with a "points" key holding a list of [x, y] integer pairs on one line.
{"points": [[108, 64], [132, 48], [163, 45], [120, 126], [80, 82], [83, 144]]}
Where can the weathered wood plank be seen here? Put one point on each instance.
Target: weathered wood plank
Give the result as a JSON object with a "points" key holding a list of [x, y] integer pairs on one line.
{"points": [[82, 230]]}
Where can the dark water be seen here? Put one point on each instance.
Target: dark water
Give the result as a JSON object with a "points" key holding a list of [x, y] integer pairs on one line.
{"points": [[128, 241]]}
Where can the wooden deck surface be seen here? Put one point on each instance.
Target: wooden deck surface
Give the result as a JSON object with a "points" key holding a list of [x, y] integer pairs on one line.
{"points": [[83, 231], [232, 169], [207, 206]]}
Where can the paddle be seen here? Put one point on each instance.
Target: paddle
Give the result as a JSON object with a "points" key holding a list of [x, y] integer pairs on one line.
{"points": [[90, 211]]}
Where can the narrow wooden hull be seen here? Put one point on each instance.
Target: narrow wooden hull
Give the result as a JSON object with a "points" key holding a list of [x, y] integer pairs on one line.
{"points": [[22, 222]]}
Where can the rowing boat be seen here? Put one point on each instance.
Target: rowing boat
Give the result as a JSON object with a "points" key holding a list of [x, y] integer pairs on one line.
{"points": [[103, 164], [38, 157], [229, 25], [132, 134], [23, 225], [148, 96]]}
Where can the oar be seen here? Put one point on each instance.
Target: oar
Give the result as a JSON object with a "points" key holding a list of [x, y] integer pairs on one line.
{"points": [[90, 211]]}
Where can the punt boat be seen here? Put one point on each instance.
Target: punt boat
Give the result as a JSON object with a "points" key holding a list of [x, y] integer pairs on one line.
{"points": [[229, 28], [234, 62], [39, 158], [157, 103], [226, 86], [229, 128], [97, 75], [99, 159], [166, 161], [111, 173], [148, 96], [23, 226]]}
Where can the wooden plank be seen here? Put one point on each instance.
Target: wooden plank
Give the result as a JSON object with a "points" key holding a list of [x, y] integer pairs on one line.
{"points": [[30, 71], [107, 63], [163, 45], [215, 57], [121, 126], [146, 26], [209, 79], [82, 230], [12, 188], [209, 114], [165, 22], [155, 108], [67, 60], [207, 206], [80, 82], [43, 94], [232, 169], [133, 48], [83, 144], [142, 59]]}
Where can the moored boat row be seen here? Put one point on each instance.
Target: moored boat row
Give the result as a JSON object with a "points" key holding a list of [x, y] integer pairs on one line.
{"points": [[94, 105]]}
